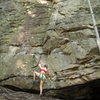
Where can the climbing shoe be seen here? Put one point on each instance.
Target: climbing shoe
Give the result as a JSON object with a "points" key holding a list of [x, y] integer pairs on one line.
{"points": [[34, 81], [40, 95]]}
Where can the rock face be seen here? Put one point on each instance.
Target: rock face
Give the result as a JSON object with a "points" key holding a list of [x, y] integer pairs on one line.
{"points": [[59, 33], [22, 33], [75, 60], [7, 94]]}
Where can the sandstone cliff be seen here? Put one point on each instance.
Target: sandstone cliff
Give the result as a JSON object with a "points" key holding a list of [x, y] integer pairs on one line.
{"points": [[59, 33]]}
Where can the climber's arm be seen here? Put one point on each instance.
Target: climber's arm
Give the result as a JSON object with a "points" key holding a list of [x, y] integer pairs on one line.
{"points": [[40, 66]]}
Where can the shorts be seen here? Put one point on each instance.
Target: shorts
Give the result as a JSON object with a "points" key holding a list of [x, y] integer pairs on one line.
{"points": [[42, 76]]}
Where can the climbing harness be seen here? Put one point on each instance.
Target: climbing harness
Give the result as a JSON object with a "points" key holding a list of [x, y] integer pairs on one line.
{"points": [[42, 76], [94, 24]]}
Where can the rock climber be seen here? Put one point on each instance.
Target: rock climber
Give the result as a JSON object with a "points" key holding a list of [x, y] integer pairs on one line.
{"points": [[42, 75]]}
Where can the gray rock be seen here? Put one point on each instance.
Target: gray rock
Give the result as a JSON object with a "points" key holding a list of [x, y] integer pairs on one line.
{"points": [[63, 38]]}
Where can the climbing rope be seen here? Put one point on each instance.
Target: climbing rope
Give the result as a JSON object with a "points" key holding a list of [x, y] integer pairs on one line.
{"points": [[94, 24], [35, 66]]}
